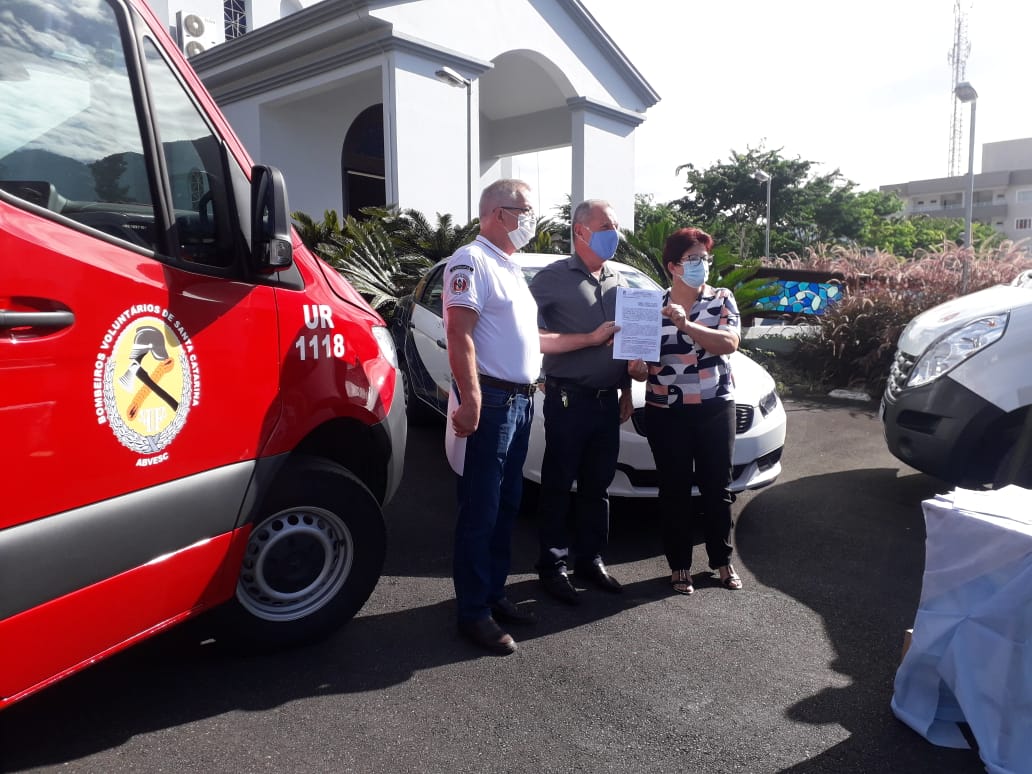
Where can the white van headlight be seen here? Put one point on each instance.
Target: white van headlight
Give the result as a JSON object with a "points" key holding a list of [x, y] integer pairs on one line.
{"points": [[386, 342], [956, 347]]}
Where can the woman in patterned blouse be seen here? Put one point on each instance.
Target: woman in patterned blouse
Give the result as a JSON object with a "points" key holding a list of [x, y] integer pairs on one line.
{"points": [[690, 409]]}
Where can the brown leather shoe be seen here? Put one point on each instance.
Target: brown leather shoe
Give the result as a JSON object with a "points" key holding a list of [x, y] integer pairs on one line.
{"points": [[488, 635]]}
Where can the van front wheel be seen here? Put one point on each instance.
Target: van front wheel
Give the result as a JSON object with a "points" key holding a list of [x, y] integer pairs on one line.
{"points": [[313, 558]]}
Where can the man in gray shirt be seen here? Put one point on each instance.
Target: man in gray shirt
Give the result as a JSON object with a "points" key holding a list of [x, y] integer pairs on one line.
{"points": [[587, 396]]}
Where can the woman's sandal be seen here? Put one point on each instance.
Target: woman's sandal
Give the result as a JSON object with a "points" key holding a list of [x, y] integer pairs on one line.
{"points": [[730, 581], [681, 582]]}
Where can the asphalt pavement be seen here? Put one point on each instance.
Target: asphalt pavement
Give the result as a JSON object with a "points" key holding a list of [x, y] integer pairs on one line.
{"points": [[792, 674]]}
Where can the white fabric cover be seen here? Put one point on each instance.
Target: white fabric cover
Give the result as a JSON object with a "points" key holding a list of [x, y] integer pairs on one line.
{"points": [[970, 658]]}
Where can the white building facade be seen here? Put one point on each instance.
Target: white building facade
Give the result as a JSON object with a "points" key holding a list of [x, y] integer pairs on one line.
{"points": [[418, 103], [1003, 191]]}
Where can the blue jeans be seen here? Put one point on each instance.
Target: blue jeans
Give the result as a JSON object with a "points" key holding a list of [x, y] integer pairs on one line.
{"points": [[489, 492]]}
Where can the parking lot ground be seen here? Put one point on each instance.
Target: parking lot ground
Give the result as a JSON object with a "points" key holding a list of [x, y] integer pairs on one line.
{"points": [[792, 674]]}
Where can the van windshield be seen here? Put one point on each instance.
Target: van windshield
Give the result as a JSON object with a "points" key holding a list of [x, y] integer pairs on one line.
{"points": [[69, 136], [68, 113], [44, 98], [71, 139]]}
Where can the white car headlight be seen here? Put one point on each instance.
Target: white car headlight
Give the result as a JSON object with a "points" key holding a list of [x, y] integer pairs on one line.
{"points": [[768, 402], [956, 347], [383, 338]]}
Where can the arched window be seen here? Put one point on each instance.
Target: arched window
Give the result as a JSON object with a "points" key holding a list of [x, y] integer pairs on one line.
{"points": [[361, 162]]}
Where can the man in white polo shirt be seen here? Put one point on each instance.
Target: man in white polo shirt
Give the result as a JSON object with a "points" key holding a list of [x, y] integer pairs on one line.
{"points": [[491, 325]]}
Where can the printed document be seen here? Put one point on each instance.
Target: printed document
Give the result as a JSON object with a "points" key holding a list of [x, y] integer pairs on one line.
{"points": [[640, 321]]}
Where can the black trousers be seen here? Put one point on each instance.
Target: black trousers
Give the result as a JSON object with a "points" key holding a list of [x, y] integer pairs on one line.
{"points": [[582, 442], [693, 444]]}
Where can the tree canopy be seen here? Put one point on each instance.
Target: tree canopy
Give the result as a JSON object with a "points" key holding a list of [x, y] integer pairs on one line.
{"points": [[807, 208]]}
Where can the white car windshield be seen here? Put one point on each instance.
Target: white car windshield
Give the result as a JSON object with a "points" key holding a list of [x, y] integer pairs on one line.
{"points": [[635, 278]]}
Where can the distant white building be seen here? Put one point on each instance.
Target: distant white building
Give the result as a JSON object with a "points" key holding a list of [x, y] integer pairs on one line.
{"points": [[1003, 191], [418, 103]]}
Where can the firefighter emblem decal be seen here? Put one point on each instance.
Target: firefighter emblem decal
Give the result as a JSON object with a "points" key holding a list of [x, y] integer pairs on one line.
{"points": [[146, 380], [459, 284]]}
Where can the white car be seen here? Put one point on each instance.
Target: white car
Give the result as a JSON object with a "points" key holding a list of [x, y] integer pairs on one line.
{"points": [[419, 333]]}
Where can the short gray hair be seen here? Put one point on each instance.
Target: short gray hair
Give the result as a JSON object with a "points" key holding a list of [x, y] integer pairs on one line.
{"points": [[583, 212], [500, 193]]}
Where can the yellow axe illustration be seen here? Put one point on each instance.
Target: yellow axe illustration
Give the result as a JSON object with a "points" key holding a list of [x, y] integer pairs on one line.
{"points": [[148, 339]]}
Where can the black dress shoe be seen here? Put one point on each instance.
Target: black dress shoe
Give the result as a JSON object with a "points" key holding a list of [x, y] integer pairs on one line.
{"points": [[504, 610], [597, 574], [488, 635], [559, 586]]}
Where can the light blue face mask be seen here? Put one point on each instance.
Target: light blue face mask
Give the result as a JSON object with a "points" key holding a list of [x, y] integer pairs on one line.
{"points": [[603, 243], [694, 274]]}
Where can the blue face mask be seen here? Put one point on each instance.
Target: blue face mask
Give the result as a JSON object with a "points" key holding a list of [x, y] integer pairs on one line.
{"points": [[603, 243], [694, 275]]}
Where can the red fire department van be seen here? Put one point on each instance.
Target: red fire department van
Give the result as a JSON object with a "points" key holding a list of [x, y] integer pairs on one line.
{"points": [[194, 410]]}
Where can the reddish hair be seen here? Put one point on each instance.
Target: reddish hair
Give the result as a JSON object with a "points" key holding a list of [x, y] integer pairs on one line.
{"points": [[683, 240]]}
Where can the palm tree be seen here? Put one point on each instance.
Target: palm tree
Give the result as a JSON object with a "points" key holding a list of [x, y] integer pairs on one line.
{"points": [[643, 248], [364, 253], [550, 236], [314, 233], [384, 254], [412, 234]]}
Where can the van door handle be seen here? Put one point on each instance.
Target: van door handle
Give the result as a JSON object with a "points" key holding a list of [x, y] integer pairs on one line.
{"points": [[49, 320], [442, 344]]}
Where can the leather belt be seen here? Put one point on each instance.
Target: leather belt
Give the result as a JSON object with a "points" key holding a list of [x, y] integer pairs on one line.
{"points": [[513, 387], [566, 384]]}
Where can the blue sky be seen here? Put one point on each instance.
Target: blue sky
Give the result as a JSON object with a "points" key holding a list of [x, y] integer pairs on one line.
{"points": [[862, 87]]}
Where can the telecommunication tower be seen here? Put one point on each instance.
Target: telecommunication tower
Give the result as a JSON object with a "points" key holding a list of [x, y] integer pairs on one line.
{"points": [[958, 59]]}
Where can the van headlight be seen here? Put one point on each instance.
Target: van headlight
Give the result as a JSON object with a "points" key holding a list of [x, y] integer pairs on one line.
{"points": [[956, 347], [386, 342]]}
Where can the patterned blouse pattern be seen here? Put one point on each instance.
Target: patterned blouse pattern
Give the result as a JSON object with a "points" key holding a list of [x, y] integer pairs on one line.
{"points": [[686, 373]]}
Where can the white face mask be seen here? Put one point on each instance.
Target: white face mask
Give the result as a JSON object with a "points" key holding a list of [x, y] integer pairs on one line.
{"points": [[524, 231]]}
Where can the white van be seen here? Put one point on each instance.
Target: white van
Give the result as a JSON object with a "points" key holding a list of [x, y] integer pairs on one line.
{"points": [[957, 404]]}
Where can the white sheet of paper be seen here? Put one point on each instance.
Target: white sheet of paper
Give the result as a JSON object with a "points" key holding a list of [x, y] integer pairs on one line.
{"points": [[454, 447], [640, 321]]}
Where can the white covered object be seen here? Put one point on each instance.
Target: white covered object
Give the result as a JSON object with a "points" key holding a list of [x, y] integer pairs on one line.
{"points": [[970, 658]]}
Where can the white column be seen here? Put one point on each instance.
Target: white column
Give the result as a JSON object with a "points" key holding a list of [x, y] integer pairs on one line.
{"points": [[603, 156], [427, 163]]}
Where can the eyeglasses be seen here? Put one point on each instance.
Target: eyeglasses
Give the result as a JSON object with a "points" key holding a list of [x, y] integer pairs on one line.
{"points": [[695, 260], [521, 210]]}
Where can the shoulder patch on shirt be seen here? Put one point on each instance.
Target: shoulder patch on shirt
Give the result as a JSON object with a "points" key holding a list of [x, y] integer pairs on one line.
{"points": [[460, 266], [460, 282]]}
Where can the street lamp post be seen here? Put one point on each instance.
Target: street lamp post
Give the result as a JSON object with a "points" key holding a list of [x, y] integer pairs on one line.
{"points": [[452, 78], [762, 177], [966, 93]]}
